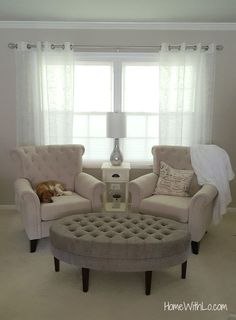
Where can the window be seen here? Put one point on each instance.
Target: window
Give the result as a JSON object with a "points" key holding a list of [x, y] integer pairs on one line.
{"points": [[131, 84], [158, 101], [125, 83]]}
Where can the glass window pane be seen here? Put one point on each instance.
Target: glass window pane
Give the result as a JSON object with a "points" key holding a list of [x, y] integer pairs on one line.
{"points": [[89, 125], [97, 126], [93, 87], [136, 126], [97, 148], [137, 149], [140, 87], [80, 126], [142, 126], [153, 126]]}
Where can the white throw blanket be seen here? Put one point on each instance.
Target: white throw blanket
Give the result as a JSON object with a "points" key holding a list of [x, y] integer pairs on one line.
{"points": [[212, 165]]}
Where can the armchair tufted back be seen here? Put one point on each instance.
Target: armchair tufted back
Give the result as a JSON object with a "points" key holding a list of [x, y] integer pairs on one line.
{"points": [[177, 157], [41, 163]]}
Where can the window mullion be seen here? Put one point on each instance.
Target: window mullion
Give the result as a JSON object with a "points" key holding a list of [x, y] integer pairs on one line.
{"points": [[117, 86]]}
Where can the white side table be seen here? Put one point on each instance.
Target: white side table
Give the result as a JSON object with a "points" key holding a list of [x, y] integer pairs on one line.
{"points": [[116, 179]]}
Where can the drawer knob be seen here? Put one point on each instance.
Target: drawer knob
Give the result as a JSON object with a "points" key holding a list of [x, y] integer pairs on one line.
{"points": [[115, 175]]}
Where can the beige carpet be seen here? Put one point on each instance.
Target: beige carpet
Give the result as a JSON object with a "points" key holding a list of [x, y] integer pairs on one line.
{"points": [[31, 290]]}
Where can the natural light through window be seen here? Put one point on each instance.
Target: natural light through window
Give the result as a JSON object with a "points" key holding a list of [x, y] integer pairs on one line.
{"points": [[140, 87], [93, 87], [151, 95], [141, 103], [93, 97]]}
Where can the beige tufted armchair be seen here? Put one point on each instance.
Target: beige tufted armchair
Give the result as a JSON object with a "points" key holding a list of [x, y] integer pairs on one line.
{"points": [[195, 212], [36, 164]]}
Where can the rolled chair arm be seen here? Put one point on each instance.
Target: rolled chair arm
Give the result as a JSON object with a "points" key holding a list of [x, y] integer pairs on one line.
{"points": [[25, 191], [204, 196], [141, 188], [90, 188], [28, 204], [200, 211]]}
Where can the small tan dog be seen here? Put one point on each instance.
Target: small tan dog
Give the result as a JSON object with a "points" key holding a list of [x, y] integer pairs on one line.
{"points": [[48, 189]]}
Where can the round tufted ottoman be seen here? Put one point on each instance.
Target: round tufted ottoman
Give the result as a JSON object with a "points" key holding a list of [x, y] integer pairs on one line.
{"points": [[119, 242]]}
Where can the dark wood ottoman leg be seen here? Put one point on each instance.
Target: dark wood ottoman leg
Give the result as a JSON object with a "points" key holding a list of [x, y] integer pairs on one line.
{"points": [[195, 247], [85, 279], [33, 245], [56, 264], [183, 270], [148, 282]]}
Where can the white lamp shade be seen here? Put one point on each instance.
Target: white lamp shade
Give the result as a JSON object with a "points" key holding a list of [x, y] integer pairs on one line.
{"points": [[116, 125]]}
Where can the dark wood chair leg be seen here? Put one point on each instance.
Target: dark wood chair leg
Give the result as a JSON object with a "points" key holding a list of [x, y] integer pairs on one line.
{"points": [[183, 270], [148, 282], [56, 264], [195, 247], [85, 279], [33, 245]]}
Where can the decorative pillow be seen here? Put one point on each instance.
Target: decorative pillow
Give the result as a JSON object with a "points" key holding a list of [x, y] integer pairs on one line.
{"points": [[173, 182]]}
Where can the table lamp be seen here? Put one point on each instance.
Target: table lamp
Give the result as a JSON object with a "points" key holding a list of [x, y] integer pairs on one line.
{"points": [[116, 128]]}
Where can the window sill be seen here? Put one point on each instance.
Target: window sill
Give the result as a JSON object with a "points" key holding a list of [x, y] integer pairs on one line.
{"points": [[96, 164]]}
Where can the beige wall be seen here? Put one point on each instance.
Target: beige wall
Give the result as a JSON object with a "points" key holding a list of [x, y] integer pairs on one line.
{"points": [[225, 89]]}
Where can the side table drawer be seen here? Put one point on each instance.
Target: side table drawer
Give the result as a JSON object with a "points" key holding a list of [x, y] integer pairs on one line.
{"points": [[116, 175]]}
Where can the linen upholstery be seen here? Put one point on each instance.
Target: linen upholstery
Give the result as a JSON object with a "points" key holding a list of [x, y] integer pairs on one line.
{"points": [[64, 206], [172, 207], [195, 212], [63, 163], [42, 163], [119, 242]]}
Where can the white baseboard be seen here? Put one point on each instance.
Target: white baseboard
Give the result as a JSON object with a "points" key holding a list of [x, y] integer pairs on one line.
{"points": [[7, 207], [13, 207]]}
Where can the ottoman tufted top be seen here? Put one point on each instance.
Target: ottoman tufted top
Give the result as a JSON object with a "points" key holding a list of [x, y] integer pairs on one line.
{"points": [[119, 235]]}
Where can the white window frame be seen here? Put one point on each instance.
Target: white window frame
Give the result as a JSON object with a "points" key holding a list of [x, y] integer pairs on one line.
{"points": [[118, 59]]}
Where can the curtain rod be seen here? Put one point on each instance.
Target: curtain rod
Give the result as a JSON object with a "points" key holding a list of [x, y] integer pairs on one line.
{"points": [[119, 48]]}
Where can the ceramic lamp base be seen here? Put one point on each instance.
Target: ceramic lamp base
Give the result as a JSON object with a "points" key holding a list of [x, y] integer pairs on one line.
{"points": [[116, 157]]}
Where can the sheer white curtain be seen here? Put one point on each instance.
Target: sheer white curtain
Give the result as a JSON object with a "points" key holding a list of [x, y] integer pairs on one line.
{"points": [[45, 94], [168, 98], [186, 85]]}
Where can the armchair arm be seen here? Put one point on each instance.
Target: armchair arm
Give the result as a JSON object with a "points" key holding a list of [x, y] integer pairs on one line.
{"points": [[28, 204], [141, 188], [201, 210], [91, 188], [204, 196]]}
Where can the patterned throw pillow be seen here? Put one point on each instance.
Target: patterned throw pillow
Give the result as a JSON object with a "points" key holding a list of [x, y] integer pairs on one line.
{"points": [[173, 182]]}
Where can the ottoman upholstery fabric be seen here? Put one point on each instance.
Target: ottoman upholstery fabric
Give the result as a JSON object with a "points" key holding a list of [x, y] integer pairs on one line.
{"points": [[119, 241]]}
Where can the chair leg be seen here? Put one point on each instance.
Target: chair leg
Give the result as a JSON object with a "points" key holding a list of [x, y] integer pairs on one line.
{"points": [[56, 264], [85, 279], [183, 270], [195, 247], [148, 282], [33, 245]]}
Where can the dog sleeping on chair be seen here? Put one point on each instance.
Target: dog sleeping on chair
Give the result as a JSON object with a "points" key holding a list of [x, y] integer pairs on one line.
{"points": [[48, 189]]}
